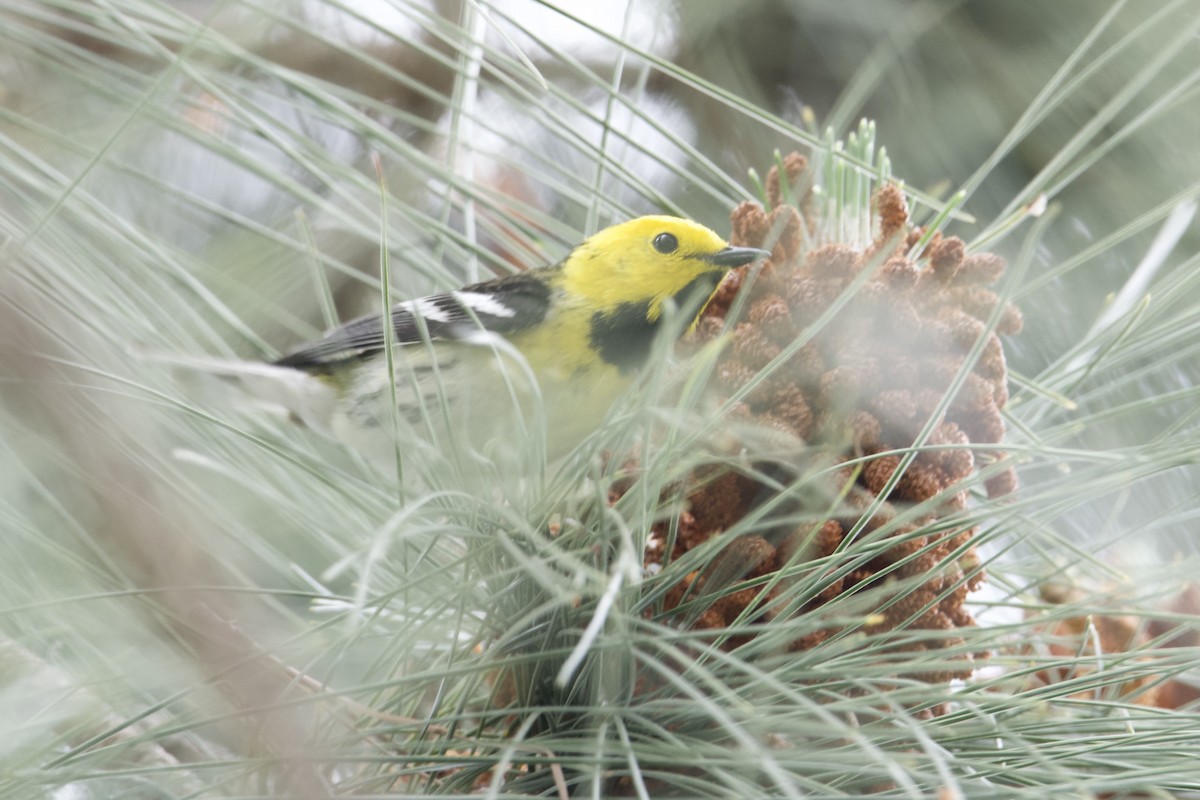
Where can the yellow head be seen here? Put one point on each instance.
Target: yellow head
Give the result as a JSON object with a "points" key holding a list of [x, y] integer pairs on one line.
{"points": [[643, 262]]}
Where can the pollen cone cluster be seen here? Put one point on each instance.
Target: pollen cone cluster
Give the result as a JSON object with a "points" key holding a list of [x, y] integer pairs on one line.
{"points": [[906, 331]]}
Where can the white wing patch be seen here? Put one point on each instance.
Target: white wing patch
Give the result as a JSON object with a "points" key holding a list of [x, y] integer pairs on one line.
{"points": [[483, 303], [425, 308]]}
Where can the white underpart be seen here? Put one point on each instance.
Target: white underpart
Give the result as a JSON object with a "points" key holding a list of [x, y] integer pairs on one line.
{"points": [[483, 303], [482, 338]]}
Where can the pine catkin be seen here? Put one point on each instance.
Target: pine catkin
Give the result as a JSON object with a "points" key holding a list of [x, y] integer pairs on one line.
{"points": [[860, 390]]}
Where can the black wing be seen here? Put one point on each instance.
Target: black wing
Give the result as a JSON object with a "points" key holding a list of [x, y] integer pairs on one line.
{"points": [[505, 306]]}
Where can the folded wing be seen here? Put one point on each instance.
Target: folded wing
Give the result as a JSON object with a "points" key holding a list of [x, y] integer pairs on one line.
{"points": [[503, 306]]}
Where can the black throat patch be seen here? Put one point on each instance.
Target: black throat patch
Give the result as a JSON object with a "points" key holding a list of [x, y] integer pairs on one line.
{"points": [[624, 336]]}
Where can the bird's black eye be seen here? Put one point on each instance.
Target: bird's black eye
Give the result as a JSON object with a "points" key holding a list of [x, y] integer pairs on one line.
{"points": [[666, 243]]}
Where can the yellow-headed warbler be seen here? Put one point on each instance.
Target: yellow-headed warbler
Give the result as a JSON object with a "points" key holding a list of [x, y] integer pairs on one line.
{"points": [[567, 338]]}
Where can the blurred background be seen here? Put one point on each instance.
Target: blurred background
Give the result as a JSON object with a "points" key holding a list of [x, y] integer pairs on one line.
{"points": [[186, 181]]}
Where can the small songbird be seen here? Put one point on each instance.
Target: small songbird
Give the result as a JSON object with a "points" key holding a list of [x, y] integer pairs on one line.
{"points": [[557, 344]]}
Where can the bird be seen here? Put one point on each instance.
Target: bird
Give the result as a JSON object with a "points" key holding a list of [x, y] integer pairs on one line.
{"points": [[539, 353]]}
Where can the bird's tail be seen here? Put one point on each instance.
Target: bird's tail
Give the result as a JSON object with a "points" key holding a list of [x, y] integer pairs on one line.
{"points": [[263, 388]]}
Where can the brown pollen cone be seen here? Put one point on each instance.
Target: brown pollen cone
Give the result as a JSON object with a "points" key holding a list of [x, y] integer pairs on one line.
{"points": [[858, 390]]}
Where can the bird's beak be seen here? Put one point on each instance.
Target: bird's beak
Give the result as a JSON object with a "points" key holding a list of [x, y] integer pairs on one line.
{"points": [[732, 257]]}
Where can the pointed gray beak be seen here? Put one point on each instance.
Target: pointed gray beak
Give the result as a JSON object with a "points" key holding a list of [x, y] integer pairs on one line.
{"points": [[732, 257]]}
